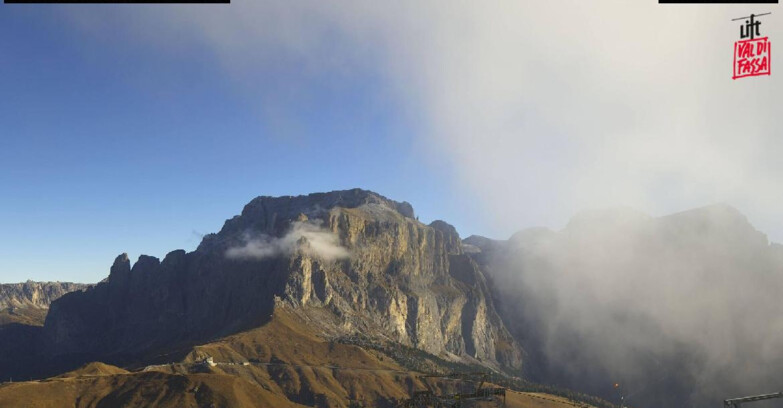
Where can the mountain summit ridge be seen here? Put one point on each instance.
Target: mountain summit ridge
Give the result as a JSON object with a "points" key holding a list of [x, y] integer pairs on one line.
{"points": [[353, 260]]}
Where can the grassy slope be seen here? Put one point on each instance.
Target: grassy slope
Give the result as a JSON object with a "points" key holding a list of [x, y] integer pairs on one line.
{"points": [[143, 389], [539, 400], [287, 366], [29, 316]]}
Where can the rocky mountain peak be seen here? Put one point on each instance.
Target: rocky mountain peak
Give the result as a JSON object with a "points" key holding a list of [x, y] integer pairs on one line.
{"points": [[450, 235], [35, 294], [717, 216], [274, 216], [713, 223], [145, 263], [120, 269], [265, 210], [479, 241], [354, 255], [608, 218], [718, 224]]}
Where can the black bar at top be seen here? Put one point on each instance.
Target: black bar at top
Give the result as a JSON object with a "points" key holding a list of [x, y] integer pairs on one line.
{"points": [[117, 1], [717, 1]]}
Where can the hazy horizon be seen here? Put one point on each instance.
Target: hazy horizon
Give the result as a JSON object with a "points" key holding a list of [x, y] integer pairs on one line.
{"points": [[134, 256]]}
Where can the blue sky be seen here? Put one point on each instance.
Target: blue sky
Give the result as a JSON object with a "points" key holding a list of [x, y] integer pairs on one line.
{"points": [[137, 128], [109, 146]]}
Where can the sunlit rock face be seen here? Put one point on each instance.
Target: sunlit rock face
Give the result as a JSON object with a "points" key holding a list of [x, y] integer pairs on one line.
{"points": [[352, 262], [35, 294]]}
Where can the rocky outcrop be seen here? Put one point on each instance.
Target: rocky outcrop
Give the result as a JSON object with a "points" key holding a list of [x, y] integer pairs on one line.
{"points": [[358, 256], [23, 308], [35, 294]]}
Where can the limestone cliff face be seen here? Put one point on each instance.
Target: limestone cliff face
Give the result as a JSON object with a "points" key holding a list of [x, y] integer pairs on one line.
{"points": [[35, 294], [362, 258]]}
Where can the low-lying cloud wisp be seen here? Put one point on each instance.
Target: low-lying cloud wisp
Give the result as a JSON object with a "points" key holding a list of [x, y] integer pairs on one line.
{"points": [[308, 237]]}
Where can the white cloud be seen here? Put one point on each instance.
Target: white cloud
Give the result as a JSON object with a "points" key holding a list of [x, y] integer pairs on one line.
{"points": [[307, 237]]}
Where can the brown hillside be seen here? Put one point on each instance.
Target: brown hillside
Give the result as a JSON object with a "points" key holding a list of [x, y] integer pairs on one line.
{"points": [[30, 316], [94, 369], [282, 364], [145, 389]]}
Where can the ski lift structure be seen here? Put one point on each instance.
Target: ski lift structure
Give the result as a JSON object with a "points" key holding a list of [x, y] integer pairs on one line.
{"points": [[468, 394], [737, 402]]}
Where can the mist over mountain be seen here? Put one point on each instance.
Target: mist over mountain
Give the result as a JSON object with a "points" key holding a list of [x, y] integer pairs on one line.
{"points": [[681, 310]]}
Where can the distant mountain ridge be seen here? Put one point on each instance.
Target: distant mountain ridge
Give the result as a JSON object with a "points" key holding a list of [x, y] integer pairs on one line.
{"points": [[37, 295]]}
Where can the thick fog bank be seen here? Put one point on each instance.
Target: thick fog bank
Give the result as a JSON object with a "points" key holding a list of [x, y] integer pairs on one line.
{"points": [[683, 310]]}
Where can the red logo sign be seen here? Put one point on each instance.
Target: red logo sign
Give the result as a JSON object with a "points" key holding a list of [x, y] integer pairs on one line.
{"points": [[752, 58], [752, 53]]}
